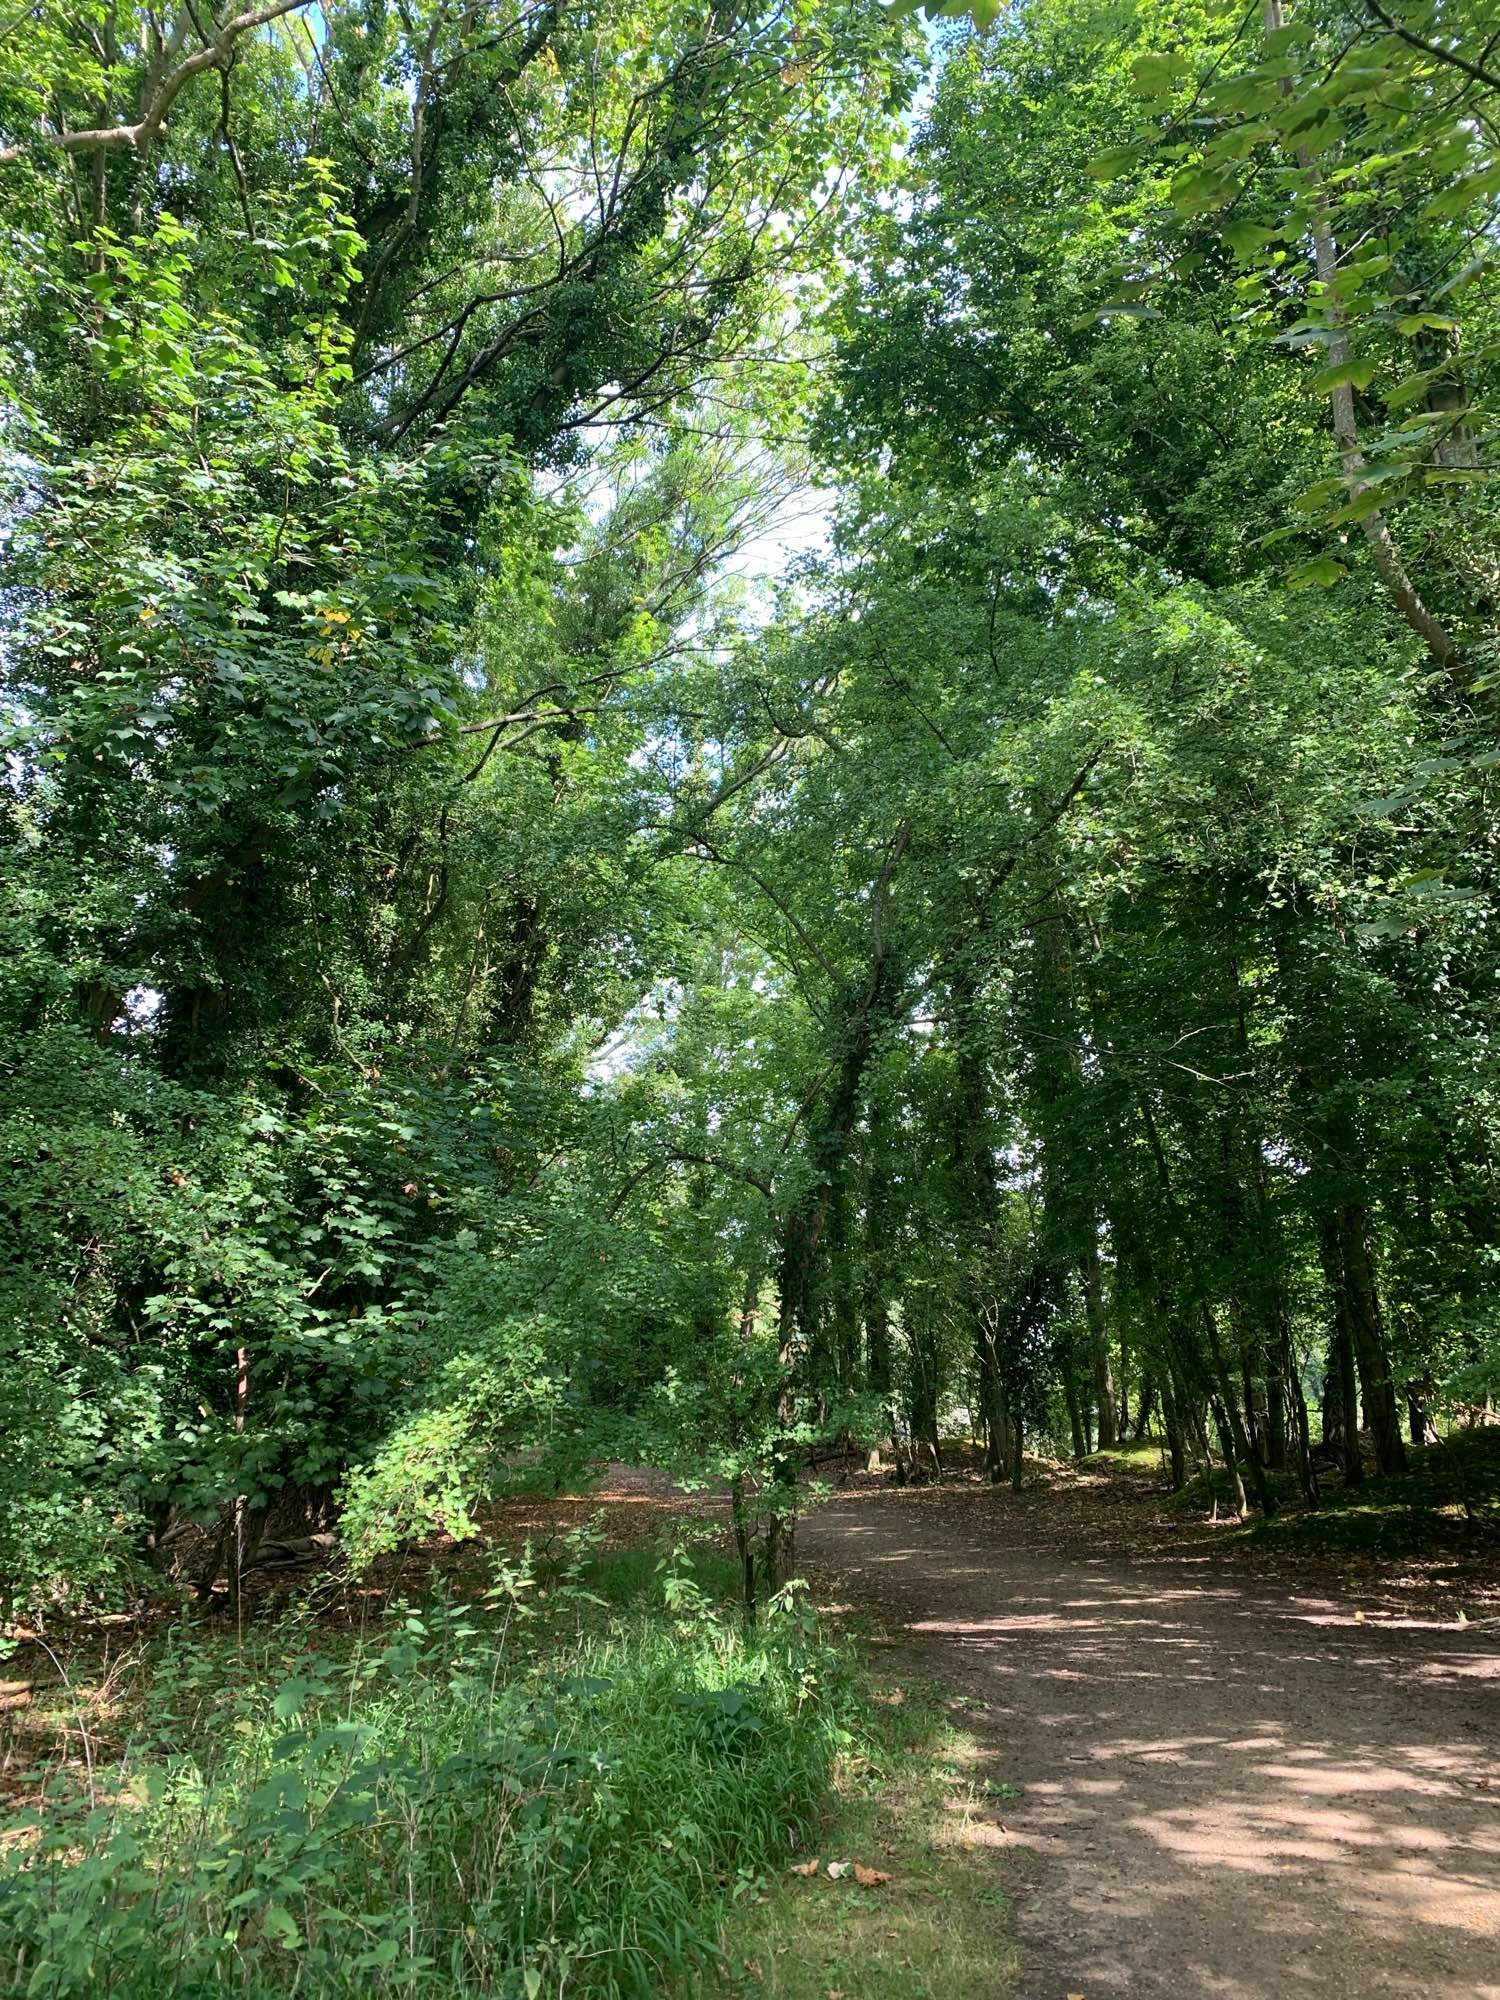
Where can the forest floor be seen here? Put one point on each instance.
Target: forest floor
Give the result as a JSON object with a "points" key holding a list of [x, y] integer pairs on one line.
{"points": [[1115, 1749], [1241, 1768]]}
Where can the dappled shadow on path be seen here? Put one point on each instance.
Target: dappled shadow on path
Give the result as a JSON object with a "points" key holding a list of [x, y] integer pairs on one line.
{"points": [[1235, 1789]]}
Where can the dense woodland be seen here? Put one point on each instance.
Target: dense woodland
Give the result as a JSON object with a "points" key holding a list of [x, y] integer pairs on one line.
{"points": [[494, 977], [749, 740]]}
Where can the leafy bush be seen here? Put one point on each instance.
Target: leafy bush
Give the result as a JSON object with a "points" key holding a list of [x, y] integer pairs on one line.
{"points": [[432, 1812]]}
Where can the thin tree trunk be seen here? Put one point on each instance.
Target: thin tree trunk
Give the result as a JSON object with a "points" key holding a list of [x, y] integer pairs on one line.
{"points": [[744, 1546], [1233, 1426], [1122, 1394], [922, 1401], [1090, 1271], [1341, 1387], [1230, 1449], [1075, 1420], [1174, 1434], [1145, 1404], [1372, 1357], [1291, 1381], [1419, 1391], [974, 1162], [992, 1403], [1389, 566], [1276, 1401]]}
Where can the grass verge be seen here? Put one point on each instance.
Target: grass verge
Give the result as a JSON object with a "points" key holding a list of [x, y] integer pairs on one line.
{"points": [[914, 1798], [580, 1778]]}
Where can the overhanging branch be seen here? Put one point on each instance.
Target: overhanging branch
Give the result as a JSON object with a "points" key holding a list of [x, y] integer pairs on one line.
{"points": [[212, 56]]}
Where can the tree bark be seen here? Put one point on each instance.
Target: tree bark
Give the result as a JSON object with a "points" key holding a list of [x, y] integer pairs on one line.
{"points": [[1226, 1409], [1070, 1398], [1178, 1470], [1090, 1271], [1371, 1354], [1145, 1404], [1341, 1388]]}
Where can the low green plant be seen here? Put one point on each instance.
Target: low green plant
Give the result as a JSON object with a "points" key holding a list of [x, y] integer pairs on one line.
{"points": [[471, 1798]]}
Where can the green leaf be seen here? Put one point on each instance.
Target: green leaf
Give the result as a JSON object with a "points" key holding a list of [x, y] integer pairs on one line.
{"points": [[1245, 239], [1201, 189], [1344, 375], [1124, 309], [1114, 163], [1157, 75], [281, 1928], [1410, 388], [1319, 574], [1240, 141], [289, 1698]]}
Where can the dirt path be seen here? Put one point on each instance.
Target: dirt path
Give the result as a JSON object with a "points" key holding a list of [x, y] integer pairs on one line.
{"points": [[1229, 1786]]}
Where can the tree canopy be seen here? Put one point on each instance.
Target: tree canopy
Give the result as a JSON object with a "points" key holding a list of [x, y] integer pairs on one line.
{"points": [[484, 989]]}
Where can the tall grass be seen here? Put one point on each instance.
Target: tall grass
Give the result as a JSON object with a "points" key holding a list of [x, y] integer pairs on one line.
{"points": [[438, 1810]]}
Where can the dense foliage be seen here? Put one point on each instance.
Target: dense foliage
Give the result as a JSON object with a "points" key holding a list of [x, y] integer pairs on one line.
{"points": [[481, 992]]}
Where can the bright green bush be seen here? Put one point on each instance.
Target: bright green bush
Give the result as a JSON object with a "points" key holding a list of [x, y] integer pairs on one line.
{"points": [[435, 1812]]}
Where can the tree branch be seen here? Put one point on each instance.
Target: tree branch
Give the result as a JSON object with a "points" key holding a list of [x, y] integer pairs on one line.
{"points": [[1476, 71], [140, 135]]}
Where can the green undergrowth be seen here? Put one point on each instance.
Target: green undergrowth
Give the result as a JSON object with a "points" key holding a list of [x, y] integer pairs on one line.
{"points": [[1449, 1501], [1141, 1455], [918, 1799], [558, 1785]]}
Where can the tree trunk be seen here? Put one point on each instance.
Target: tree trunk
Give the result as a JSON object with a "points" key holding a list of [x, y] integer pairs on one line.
{"points": [[1145, 1404], [1178, 1472], [1122, 1394], [844, 1287], [1341, 1392], [1231, 1449], [1276, 1401], [877, 1311], [1089, 1270], [922, 1397], [974, 1164], [1075, 1421], [1231, 1424], [1371, 1355], [1227, 1410], [1252, 1360], [992, 1402], [1389, 565], [744, 1546], [1290, 1378], [1333, 1401], [1420, 1426], [803, 1227]]}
